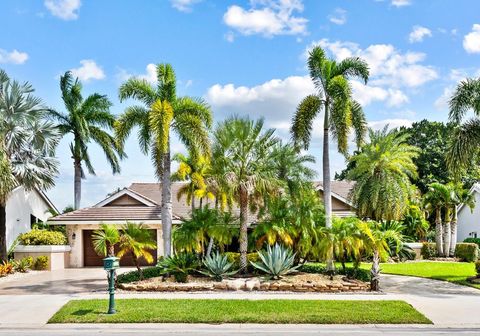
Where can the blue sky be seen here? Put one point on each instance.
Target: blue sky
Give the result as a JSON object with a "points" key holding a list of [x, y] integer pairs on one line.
{"points": [[243, 57]]}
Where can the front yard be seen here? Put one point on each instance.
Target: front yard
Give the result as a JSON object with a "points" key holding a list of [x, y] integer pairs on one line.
{"points": [[240, 311]]}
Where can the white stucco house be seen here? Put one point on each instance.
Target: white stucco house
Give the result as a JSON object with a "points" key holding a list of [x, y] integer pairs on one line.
{"points": [[468, 220], [25, 208]]}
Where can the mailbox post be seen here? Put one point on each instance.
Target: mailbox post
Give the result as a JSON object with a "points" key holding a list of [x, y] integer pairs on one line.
{"points": [[110, 264]]}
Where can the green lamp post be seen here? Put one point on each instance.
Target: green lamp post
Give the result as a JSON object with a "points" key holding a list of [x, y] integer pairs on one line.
{"points": [[110, 264]]}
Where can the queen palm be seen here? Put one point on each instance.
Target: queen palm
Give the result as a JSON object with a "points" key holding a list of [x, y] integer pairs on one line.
{"points": [[27, 145], [244, 148], [340, 112], [160, 113], [383, 170], [87, 120]]}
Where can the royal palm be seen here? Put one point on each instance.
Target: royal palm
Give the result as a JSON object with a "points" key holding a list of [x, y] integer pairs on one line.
{"points": [[160, 112]]}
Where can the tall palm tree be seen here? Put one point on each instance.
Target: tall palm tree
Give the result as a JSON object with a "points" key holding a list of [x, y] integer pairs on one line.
{"points": [[27, 145], [383, 170], [340, 112], [460, 196], [160, 113], [466, 140], [438, 199], [246, 153], [88, 120], [105, 239]]}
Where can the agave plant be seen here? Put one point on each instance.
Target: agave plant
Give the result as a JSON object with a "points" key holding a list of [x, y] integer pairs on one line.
{"points": [[276, 261], [217, 266]]}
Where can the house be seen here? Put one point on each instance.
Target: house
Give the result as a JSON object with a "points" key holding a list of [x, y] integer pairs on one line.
{"points": [[24, 208], [469, 220], [341, 205], [141, 203]]}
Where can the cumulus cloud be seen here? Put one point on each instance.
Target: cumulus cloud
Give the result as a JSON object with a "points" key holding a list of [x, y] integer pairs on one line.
{"points": [[267, 18], [13, 57], [471, 41], [392, 123], [88, 71], [401, 3], [418, 34], [150, 74], [64, 9], [339, 16], [366, 94], [184, 5]]}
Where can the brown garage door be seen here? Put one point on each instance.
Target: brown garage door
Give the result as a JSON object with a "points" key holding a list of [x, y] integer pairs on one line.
{"points": [[91, 258]]}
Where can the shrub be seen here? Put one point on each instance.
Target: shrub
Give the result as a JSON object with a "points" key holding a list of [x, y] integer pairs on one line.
{"points": [[41, 263], [43, 237], [467, 252], [477, 267], [23, 264], [351, 272], [149, 272], [234, 258], [472, 240], [6, 268], [276, 261], [217, 267], [180, 265], [429, 250]]}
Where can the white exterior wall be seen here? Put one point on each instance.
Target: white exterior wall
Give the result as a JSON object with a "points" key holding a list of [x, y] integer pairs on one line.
{"points": [[469, 222], [20, 205]]}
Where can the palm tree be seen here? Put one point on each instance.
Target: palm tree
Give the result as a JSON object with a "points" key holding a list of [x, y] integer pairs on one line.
{"points": [[245, 151], [466, 139], [105, 239], [137, 240], [341, 112], [27, 145], [460, 196], [86, 119], [160, 113], [438, 199], [383, 170]]}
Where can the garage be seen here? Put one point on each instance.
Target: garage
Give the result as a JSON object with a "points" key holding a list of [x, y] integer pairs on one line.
{"points": [[91, 258]]}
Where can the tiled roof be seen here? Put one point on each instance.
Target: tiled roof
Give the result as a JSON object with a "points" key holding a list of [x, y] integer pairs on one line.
{"points": [[112, 213], [341, 188]]}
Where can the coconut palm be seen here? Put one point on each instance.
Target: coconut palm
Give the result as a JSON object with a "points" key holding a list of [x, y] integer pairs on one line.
{"points": [[87, 120], [160, 113], [105, 239], [463, 197], [466, 139], [340, 112], [137, 240], [383, 170], [244, 148], [27, 145], [438, 198]]}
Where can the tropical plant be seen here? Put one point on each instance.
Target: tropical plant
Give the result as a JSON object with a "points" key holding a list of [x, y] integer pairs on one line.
{"points": [[461, 196], [416, 226], [276, 262], [382, 172], [160, 113], [137, 240], [42, 237], [180, 265], [23, 264], [217, 266], [341, 113], [27, 145], [88, 120], [244, 149], [105, 239]]}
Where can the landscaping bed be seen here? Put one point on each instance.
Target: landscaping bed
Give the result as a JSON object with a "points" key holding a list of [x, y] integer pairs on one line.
{"points": [[240, 311], [300, 282]]}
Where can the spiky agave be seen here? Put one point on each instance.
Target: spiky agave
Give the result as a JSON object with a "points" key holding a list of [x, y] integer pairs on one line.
{"points": [[217, 267], [276, 262]]}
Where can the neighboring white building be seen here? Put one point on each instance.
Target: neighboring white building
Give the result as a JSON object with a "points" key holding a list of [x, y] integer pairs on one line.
{"points": [[25, 208], [468, 220]]}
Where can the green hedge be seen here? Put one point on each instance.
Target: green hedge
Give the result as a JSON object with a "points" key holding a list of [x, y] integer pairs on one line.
{"points": [[234, 257], [467, 252], [429, 250], [43, 237], [149, 272], [472, 240], [356, 273]]}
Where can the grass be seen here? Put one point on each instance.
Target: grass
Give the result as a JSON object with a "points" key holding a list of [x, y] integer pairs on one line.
{"points": [[240, 311]]}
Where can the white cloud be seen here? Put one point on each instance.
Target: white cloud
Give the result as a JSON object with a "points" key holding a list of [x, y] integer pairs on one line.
{"points": [[418, 34], [88, 70], [338, 17], [230, 36], [267, 18], [401, 3], [64, 9], [366, 94], [184, 5], [471, 41], [392, 123], [14, 56], [150, 74]]}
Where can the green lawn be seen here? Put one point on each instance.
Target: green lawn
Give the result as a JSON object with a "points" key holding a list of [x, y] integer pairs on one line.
{"points": [[240, 311]]}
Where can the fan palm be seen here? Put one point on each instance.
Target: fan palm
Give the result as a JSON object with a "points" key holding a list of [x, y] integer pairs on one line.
{"points": [[161, 112], [340, 112], [104, 240], [244, 148], [88, 120], [27, 145], [383, 170]]}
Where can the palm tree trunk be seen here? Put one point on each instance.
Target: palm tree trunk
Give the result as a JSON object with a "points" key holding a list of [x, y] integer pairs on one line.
{"points": [[3, 233], [193, 203], [167, 205], [446, 237], [77, 185], [210, 246], [243, 229], [453, 233], [111, 250], [375, 272], [438, 232], [137, 264], [327, 194]]}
